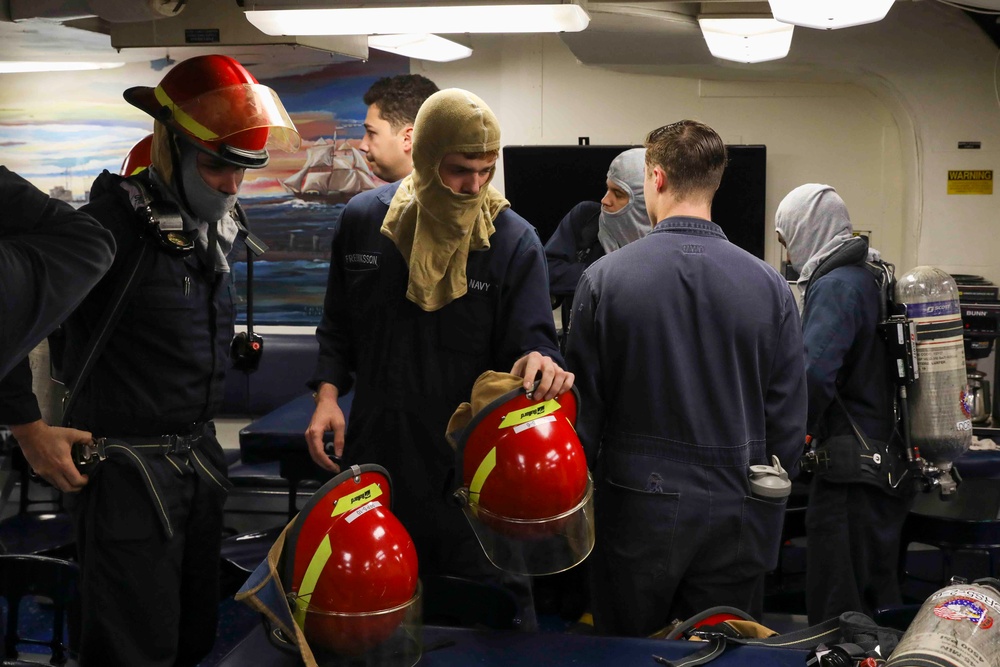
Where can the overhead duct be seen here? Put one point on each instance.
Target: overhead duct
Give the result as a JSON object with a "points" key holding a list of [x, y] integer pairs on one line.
{"points": [[112, 11], [208, 24]]}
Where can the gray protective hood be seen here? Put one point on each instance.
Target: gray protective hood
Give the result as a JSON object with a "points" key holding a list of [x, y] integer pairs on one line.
{"points": [[631, 222], [814, 222]]}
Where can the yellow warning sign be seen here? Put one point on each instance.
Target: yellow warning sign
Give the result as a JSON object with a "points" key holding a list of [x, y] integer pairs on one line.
{"points": [[970, 182]]}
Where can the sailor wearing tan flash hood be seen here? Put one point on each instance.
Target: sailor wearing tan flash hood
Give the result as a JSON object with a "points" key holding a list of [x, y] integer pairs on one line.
{"points": [[433, 280]]}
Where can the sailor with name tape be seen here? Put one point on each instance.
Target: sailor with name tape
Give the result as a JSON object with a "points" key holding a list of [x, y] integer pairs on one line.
{"points": [[433, 280]]}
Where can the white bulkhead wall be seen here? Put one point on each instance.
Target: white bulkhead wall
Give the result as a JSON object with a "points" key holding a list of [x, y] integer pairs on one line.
{"points": [[877, 114]]}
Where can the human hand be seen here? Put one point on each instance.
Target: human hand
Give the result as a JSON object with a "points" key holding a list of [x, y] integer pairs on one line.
{"points": [[328, 417], [552, 380], [47, 450]]}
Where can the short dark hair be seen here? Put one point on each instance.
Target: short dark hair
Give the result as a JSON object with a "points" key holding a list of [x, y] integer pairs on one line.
{"points": [[692, 155], [399, 97]]}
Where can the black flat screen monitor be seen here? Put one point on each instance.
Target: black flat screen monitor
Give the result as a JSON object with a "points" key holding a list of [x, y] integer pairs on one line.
{"points": [[543, 183]]}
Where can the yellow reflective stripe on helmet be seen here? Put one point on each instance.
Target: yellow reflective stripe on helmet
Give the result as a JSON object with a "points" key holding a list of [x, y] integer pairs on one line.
{"points": [[482, 472], [527, 414], [356, 499], [193, 127], [316, 565]]}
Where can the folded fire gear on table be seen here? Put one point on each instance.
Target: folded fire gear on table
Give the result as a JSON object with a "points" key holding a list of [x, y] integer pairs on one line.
{"points": [[851, 636]]}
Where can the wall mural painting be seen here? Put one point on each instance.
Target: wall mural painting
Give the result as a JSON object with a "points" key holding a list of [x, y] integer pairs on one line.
{"points": [[294, 204]]}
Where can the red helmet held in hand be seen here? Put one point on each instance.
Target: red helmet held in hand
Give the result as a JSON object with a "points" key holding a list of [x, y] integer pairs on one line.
{"points": [[525, 485]]}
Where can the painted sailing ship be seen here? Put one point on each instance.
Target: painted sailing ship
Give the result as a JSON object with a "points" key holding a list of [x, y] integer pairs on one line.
{"points": [[333, 173]]}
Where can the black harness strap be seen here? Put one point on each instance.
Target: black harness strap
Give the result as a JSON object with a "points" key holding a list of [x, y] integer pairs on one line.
{"points": [[718, 642]]}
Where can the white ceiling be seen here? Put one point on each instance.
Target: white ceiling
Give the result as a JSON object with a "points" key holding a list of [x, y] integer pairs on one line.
{"points": [[626, 34]]}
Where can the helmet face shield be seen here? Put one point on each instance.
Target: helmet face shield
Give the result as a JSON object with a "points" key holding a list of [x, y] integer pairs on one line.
{"points": [[536, 546], [526, 490], [220, 114], [350, 572], [214, 101]]}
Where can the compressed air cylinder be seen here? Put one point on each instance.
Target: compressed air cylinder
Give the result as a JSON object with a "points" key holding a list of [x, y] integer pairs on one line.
{"points": [[940, 423], [958, 626]]}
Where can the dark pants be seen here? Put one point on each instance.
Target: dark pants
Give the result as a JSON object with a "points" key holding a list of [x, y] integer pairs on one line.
{"points": [[149, 600], [852, 533], [670, 547]]}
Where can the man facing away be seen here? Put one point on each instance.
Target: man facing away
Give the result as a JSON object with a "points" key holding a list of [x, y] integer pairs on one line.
{"points": [[688, 354], [393, 103], [433, 280], [852, 527]]}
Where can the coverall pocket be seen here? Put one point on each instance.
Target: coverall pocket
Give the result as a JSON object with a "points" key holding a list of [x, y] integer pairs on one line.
{"points": [[637, 525], [760, 534], [122, 510]]}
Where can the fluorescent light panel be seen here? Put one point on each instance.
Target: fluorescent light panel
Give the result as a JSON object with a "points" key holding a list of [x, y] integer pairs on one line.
{"points": [[746, 40], [22, 66], [829, 14], [410, 19], [422, 47]]}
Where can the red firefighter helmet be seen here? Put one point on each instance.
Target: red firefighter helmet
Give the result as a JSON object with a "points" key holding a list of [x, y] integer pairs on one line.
{"points": [[525, 485], [349, 566], [139, 157], [219, 106]]}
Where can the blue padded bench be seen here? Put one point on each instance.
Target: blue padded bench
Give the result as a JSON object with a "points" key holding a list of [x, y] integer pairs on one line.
{"points": [[288, 362]]}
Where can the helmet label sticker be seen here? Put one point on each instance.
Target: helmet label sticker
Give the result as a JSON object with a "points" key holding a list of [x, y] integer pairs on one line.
{"points": [[364, 509], [356, 499], [533, 423], [529, 413]]}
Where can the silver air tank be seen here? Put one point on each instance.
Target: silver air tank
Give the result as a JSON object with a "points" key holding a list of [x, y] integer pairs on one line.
{"points": [[956, 627], [940, 424]]}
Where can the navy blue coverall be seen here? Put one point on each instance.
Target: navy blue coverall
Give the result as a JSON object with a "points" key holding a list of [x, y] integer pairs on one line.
{"points": [[688, 356], [853, 529], [410, 369], [150, 598]]}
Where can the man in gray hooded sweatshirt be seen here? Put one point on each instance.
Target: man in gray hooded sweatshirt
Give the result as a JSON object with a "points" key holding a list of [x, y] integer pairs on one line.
{"points": [[852, 527], [591, 230]]}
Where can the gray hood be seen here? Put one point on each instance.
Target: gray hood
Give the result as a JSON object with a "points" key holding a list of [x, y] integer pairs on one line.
{"points": [[631, 222], [814, 222]]}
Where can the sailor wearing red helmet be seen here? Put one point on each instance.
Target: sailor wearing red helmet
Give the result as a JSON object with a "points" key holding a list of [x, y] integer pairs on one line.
{"points": [[149, 517]]}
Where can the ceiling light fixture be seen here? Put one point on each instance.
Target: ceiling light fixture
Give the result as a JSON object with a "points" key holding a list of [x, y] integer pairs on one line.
{"points": [[746, 40], [390, 17], [23, 66], [829, 14], [421, 47]]}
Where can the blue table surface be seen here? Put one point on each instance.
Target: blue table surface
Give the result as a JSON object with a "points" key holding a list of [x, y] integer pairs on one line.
{"points": [[281, 432], [475, 647]]}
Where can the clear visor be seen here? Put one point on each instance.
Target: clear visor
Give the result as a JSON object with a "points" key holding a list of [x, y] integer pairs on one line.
{"points": [[385, 638], [536, 546], [221, 113]]}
